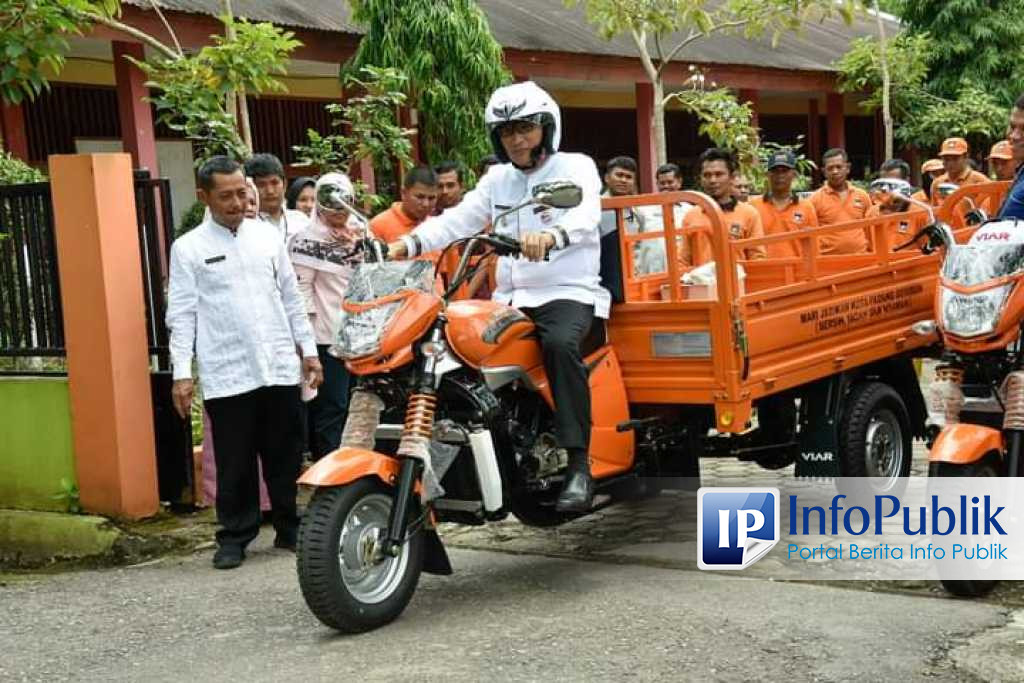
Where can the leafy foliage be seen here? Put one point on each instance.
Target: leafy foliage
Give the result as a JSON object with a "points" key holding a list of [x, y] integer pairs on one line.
{"points": [[978, 44], [191, 219], [450, 82], [33, 38], [365, 126], [14, 171], [729, 124], [190, 91], [650, 23], [922, 117]]}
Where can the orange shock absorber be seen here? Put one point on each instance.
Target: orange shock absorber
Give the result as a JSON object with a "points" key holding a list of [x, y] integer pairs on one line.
{"points": [[419, 417]]}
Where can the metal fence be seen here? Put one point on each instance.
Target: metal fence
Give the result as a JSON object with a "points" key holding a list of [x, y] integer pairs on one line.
{"points": [[31, 320], [156, 230]]}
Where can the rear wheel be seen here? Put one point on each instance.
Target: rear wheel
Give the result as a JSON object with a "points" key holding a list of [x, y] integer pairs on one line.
{"points": [[987, 467], [346, 579], [875, 438]]}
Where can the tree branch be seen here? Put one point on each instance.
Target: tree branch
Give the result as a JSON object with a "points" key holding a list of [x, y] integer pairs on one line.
{"points": [[133, 32], [174, 37], [640, 40], [698, 34], [661, 53]]}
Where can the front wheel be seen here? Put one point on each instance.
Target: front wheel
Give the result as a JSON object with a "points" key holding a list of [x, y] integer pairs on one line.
{"points": [[986, 467], [346, 579]]}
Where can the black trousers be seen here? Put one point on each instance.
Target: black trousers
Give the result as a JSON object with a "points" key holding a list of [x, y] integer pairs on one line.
{"points": [[562, 325], [264, 423], [329, 410]]}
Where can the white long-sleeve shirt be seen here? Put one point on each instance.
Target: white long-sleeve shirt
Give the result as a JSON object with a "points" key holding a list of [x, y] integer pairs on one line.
{"points": [[573, 271], [233, 298]]}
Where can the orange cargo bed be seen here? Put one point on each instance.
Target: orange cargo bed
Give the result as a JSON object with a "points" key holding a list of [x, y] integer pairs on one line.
{"points": [[788, 323]]}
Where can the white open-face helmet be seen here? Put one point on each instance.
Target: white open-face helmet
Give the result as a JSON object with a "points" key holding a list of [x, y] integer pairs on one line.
{"points": [[524, 102]]}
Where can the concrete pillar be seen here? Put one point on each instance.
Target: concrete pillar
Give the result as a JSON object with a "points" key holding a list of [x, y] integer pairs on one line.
{"points": [[12, 118], [137, 130], [814, 136], [647, 153], [105, 333], [836, 120]]}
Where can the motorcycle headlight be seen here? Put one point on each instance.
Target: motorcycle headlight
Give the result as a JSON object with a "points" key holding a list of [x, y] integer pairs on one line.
{"points": [[359, 334], [971, 315]]}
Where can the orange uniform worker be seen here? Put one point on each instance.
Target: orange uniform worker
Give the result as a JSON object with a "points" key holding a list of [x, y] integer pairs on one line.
{"points": [[1002, 166], [930, 170], [780, 208], [838, 201], [419, 198], [717, 169], [954, 153]]}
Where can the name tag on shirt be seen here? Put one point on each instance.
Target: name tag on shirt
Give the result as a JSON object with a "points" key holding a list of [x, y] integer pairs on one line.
{"points": [[215, 259]]}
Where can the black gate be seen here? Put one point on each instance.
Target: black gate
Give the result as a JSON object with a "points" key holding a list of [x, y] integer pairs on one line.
{"points": [[31, 319]]}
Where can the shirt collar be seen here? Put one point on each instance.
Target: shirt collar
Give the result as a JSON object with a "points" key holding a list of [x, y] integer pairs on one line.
{"points": [[729, 204], [768, 197]]}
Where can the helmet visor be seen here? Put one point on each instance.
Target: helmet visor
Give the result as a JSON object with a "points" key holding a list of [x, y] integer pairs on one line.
{"points": [[333, 198]]}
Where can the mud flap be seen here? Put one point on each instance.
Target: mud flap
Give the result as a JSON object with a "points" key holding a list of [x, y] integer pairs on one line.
{"points": [[820, 408], [435, 557]]}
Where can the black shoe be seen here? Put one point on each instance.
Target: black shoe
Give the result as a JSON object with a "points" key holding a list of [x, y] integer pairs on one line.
{"points": [[285, 541], [577, 492], [228, 557]]}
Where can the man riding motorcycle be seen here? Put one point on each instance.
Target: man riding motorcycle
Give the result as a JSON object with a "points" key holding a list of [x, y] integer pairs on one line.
{"points": [[561, 295]]}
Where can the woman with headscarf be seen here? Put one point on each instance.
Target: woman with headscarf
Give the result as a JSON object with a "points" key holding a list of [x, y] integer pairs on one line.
{"points": [[301, 195], [324, 255]]}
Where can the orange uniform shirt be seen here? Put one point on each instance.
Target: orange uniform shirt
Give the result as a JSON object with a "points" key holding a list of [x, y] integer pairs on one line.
{"points": [[796, 215], [833, 208], [389, 225], [392, 224], [743, 222], [971, 177], [902, 229]]}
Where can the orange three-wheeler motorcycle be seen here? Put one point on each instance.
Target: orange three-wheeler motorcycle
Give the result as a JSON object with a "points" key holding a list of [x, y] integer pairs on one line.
{"points": [[451, 421]]}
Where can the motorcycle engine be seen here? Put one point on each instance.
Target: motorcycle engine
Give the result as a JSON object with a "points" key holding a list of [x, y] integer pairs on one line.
{"points": [[547, 458]]}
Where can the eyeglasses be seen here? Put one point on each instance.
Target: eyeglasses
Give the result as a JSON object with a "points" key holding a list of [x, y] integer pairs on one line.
{"points": [[514, 128]]}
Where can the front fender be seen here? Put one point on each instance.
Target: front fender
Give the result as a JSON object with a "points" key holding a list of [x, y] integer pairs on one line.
{"points": [[963, 444], [345, 465]]}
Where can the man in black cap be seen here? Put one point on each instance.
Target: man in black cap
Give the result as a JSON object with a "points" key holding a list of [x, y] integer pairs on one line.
{"points": [[781, 208]]}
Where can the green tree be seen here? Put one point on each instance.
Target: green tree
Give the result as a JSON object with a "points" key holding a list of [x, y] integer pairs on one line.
{"points": [[452, 63], [977, 43], [195, 93], [365, 127], [921, 117], [661, 29], [15, 171]]}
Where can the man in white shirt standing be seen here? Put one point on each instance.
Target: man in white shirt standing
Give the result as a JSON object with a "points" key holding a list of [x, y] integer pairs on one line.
{"points": [[268, 174], [233, 299]]}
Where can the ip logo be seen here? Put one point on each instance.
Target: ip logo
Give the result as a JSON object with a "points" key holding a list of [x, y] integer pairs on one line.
{"points": [[736, 527]]}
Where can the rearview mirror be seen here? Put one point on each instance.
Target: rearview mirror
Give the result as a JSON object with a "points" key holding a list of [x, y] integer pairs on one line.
{"points": [[894, 186], [559, 194], [946, 189]]}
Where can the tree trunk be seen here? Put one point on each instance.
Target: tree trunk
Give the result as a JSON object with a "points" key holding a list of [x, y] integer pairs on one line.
{"points": [[886, 84], [243, 119], [660, 142]]}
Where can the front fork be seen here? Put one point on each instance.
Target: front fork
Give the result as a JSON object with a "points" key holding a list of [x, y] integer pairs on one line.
{"points": [[405, 489]]}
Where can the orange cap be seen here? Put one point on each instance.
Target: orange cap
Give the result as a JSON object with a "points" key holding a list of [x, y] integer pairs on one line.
{"points": [[932, 165], [954, 147], [1001, 150]]}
